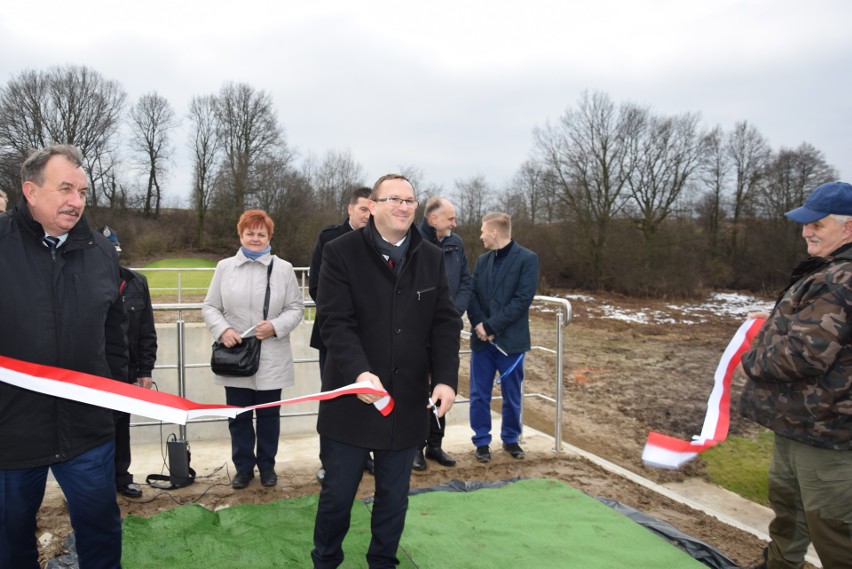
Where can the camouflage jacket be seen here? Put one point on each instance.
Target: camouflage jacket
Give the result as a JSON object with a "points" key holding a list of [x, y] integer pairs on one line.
{"points": [[800, 363]]}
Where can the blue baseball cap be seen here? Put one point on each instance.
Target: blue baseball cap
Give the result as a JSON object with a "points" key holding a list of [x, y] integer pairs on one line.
{"points": [[833, 197]]}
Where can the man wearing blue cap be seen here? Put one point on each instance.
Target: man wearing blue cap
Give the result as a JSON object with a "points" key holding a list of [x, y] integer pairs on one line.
{"points": [[800, 386]]}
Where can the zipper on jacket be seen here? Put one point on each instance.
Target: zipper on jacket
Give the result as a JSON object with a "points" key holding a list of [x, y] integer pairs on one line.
{"points": [[424, 291]]}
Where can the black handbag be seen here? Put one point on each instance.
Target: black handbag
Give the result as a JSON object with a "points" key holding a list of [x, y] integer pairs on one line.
{"points": [[243, 359]]}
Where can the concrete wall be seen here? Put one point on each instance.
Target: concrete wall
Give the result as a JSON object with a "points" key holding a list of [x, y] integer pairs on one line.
{"points": [[200, 387]]}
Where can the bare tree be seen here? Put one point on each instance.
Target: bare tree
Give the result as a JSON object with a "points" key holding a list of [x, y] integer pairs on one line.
{"points": [[749, 153], [272, 175], [472, 199], [334, 178], [248, 131], [587, 157], [205, 155], [71, 105], [715, 171], [666, 152], [151, 121], [532, 193], [789, 176]]}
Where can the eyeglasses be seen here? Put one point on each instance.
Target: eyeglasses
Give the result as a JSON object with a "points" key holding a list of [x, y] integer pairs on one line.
{"points": [[396, 202]]}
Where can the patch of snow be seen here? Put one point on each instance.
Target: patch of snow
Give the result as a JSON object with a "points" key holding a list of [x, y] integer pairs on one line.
{"points": [[718, 304]]}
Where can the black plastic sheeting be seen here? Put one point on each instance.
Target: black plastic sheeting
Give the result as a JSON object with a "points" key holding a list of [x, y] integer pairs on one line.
{"points": [[698, 550], [67, 560]]}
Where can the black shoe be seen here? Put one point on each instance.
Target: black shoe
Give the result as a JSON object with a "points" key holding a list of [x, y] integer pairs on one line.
{"points": [[437, 454], [483, 453], [268, 478], [370, 466], [320, 474], [514, 449], [419, 461], [131, 490], [241, 480]]}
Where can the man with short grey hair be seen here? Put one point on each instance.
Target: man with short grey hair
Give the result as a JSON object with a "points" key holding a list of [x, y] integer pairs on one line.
{"points": [[800, 386], [61, 307], [439, 220]]}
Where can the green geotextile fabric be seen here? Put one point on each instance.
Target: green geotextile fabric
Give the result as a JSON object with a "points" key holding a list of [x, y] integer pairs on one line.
{"points": [[530, 523]]}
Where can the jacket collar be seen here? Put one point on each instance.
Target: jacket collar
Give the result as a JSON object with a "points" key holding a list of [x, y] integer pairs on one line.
{"points": [[428, 232], [415, 239], [79, 233]]}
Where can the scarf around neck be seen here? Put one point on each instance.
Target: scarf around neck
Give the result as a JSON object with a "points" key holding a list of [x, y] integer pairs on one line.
{"points": [[255, 255]]}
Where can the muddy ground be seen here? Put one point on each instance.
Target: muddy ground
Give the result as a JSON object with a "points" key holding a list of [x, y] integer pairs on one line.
{"points": [[621, 380]]}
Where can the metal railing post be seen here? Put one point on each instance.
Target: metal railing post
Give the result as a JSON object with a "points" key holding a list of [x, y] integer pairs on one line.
{"points": [[181, 364], [563, 317]]}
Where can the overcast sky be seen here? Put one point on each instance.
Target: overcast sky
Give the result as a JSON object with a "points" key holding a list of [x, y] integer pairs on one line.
{"points": [[455, 88]]}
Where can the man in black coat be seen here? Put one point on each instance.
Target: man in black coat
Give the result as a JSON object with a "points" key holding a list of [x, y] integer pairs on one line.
{"points": [[439, 220], [142, 345], [60, 306], [388, 319], [358, 213]]}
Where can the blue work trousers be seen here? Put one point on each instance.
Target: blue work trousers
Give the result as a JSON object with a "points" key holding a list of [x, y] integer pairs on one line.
{"points": [[484, 366]]}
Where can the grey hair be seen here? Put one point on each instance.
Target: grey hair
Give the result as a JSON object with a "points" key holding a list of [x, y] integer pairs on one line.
{"points": [[32, 170], [841, 219]]}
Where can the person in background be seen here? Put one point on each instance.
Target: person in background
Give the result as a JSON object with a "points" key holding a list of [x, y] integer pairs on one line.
{"points": [[504, 283], [800, 387], [60, 306], [234, 306], [142, 344], [439, 220], [4, 201], [388, 319], [358, 213]]}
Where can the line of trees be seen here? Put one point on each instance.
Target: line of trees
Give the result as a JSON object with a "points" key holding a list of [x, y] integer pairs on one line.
{"points": [[612, 196]]}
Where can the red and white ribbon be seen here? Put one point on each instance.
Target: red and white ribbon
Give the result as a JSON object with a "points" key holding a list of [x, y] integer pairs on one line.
{"points": [[668, 452], [165, 407]]}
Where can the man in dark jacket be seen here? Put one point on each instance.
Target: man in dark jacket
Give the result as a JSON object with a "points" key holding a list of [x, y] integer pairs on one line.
{"points": [[504, 283], [142, 344], [60, 306], [387, 319], [439, 220], [358, 213], [800, 386]]}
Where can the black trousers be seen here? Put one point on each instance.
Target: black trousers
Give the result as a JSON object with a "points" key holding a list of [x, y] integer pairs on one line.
{"points": [[436, 435], [122, 448], [344, 467], [244, 434]]}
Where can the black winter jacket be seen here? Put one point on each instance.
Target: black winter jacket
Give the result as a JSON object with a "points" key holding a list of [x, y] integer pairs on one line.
{"points": [[329, 233], [61, 310], [141, 333], [399, 326]]}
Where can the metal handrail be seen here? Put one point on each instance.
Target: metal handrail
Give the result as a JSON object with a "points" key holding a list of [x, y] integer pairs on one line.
{"points": [[563, 318]]}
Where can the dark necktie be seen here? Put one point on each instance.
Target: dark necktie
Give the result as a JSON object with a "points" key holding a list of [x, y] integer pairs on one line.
{"points": [[51, 242]]}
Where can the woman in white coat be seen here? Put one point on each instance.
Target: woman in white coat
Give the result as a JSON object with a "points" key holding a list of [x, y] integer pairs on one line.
{"points": [[234, 304]]}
